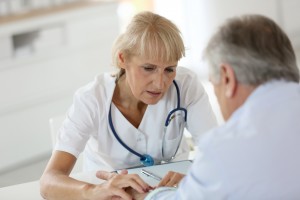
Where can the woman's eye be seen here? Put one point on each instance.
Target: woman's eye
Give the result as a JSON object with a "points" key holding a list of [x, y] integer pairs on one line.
{"points": [[170, 70], [149, 68]]}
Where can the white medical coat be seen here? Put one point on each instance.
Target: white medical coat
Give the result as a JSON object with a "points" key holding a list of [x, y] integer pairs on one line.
{"points": [[86, 127], [255, 155]]}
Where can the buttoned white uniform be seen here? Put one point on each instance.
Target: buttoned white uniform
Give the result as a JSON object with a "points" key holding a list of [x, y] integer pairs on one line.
{"points": [[255, 155], [86, 127]]}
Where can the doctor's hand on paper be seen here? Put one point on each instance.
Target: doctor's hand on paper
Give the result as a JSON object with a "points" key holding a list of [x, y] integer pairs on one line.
{"points": [[115, 185], [172, 179]]}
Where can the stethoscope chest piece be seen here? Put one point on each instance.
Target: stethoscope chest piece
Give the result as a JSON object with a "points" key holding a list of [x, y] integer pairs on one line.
{"points": [[147, 160]]}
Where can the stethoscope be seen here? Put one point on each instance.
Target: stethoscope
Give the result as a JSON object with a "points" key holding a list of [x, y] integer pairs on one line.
{"points": [[146, 159]]}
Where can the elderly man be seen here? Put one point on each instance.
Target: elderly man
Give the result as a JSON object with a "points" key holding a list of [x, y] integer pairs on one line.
{"points": [[255, 154]]}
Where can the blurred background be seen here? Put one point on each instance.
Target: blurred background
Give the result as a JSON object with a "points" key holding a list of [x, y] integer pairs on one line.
{"points": [[49, 48]]}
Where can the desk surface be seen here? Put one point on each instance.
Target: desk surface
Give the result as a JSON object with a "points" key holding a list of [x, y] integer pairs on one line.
{"points": [[31, 190], [26, 191]]}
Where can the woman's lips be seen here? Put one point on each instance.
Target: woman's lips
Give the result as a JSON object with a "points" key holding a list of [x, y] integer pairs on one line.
{"points": [[155, 94]]}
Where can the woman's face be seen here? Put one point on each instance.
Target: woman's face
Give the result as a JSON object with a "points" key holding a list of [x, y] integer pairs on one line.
{"points": [[148, 80]]}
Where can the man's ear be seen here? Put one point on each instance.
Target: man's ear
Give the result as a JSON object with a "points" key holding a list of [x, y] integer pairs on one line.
{"points": [[228, 79]]}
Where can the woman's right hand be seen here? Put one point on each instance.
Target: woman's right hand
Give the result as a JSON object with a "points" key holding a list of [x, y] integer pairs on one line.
{"points": [[115, 185], [55, 182]]}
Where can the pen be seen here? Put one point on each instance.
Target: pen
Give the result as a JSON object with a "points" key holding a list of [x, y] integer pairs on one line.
{"points": [[147, 173]]}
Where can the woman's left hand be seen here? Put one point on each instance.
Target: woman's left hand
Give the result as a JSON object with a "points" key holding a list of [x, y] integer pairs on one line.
{"points": [[172, 179]]}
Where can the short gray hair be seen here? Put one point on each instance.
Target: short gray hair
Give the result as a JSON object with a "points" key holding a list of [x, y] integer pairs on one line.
{"points": [[255, 47]]}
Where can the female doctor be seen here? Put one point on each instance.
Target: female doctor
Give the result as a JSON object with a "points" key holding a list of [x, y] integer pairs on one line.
{"points": [[134, 117]]}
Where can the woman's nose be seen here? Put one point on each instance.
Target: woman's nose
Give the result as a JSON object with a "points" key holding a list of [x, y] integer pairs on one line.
{"points": [[158, 81]]}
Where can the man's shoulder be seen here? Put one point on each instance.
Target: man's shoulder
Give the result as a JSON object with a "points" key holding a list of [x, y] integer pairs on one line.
{"points": [[222, 134]]}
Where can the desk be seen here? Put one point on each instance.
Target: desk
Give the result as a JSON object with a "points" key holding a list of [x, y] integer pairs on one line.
{"points": [[26, 191], [31, 190]]}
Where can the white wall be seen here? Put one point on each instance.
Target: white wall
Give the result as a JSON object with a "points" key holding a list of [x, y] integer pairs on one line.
{"points": [[38, 80]]}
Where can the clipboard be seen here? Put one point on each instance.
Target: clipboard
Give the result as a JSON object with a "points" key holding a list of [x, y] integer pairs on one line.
{"points": [[161, 170]]}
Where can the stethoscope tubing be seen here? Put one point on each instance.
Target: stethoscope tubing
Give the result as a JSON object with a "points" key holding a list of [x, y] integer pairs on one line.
{"points": [[117, 136], [146, 157]]}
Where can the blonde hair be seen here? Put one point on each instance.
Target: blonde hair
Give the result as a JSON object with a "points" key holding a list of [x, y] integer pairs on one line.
{"points": [[149, 36]]}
